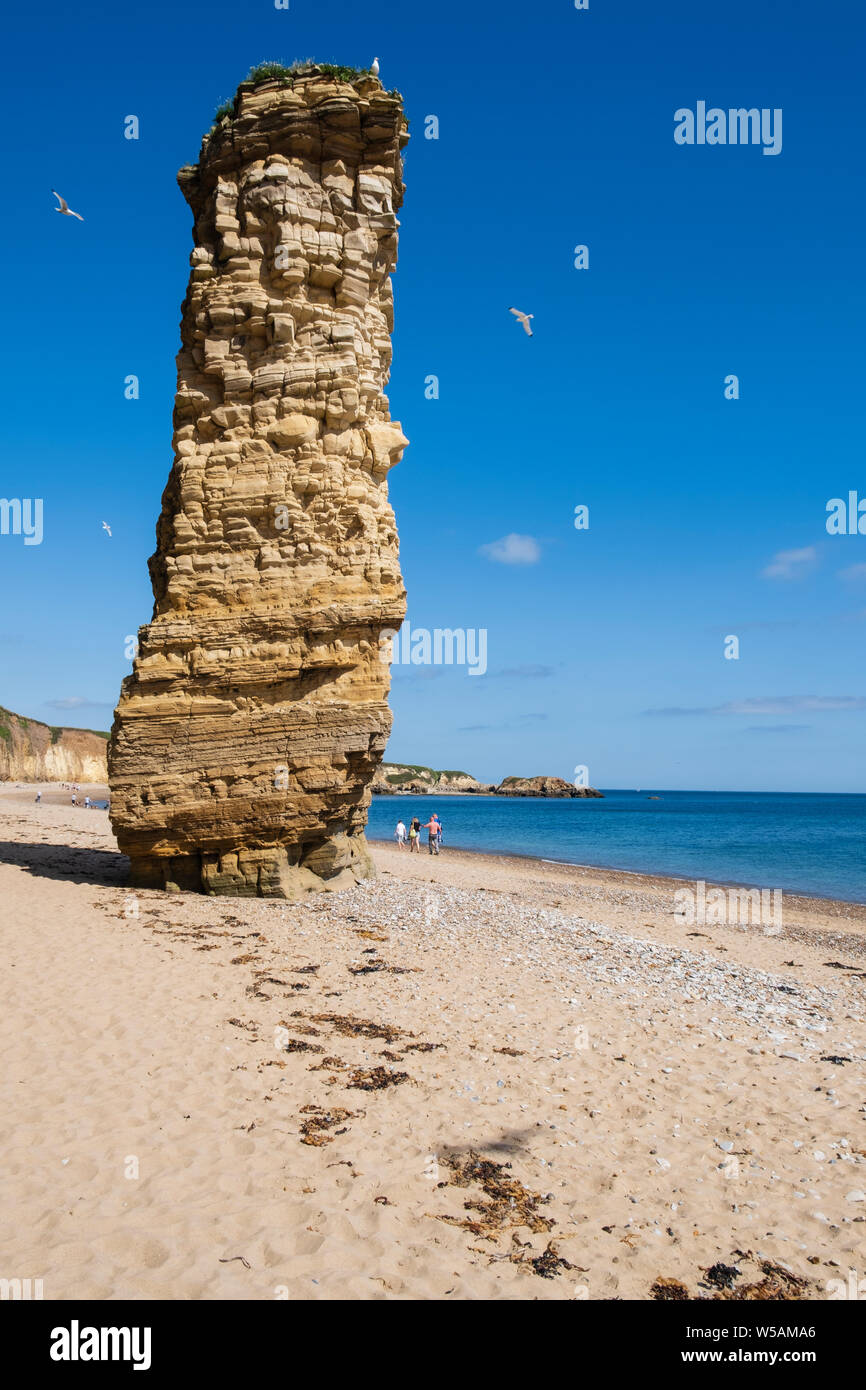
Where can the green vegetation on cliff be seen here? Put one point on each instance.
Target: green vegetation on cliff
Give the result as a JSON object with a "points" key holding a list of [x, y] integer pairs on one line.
{"points": [[8, 718], [411, 772], [285, 75]]}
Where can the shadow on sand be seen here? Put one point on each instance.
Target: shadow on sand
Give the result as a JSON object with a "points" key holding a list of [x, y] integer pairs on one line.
{"points": [[72, 862], [512, 1143]]}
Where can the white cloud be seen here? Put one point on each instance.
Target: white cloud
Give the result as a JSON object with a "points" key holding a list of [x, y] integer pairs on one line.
{"points": [[790, 564], [794, 704], [513, 550], [77, 702], [778, 704], [857, 573]]}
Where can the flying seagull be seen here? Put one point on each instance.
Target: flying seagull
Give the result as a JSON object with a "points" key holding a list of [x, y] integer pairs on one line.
{"points": [[106, 527], [523, 318], [375, 67], [65, 208]]}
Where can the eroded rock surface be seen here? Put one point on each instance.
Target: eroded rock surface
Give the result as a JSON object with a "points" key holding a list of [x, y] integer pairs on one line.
{"points": [[256, 714]]}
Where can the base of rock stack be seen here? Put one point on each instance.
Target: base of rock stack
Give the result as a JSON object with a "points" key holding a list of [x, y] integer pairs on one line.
{"points": [[263, 872]]}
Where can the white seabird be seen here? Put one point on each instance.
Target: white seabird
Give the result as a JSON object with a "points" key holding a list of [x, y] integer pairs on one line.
{"points": [[523, 318], [65, 208]]}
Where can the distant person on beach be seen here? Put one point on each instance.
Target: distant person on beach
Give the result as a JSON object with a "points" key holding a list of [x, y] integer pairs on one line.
{"points": [[87, 803], [400, 834], [415, 836], [38, 798], [432, 828], [74, 801]]}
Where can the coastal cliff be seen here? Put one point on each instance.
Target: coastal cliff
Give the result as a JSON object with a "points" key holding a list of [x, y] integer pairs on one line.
{"points": [[247, 736], [416, 778], [34, 752]]}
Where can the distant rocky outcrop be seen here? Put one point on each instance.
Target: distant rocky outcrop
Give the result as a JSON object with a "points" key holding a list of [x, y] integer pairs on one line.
{"points": [[34, 752], [256, 714], [419, 780], [542, 786]]}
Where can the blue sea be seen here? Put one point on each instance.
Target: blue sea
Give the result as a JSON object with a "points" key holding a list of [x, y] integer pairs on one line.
{"points": [[802, 843]]}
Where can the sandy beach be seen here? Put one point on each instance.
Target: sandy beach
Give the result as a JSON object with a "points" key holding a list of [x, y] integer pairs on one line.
{"points": [[475, 1077]]}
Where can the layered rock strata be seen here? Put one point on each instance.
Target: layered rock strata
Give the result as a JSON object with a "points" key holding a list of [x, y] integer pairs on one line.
{"points": [[249, 731]]}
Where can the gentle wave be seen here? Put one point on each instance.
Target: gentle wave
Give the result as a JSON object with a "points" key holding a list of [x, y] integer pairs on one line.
{"points": [[799, 842]]}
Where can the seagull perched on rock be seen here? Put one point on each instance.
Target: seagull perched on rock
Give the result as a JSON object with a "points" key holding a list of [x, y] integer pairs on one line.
{"points": [[65, 208], [523, 318], [106, 527], [375, 67]]}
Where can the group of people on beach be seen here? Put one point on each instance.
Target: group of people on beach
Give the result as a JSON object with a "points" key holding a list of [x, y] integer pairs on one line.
{"points": [[412, 836], [88, 804]]}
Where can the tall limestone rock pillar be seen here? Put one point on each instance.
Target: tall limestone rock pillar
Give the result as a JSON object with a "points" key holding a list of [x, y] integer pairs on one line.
{"points": [[248, 733]]}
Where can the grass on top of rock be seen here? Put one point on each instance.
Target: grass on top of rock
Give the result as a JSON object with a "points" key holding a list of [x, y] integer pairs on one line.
{"points": [[57, 732], [285, 75]]}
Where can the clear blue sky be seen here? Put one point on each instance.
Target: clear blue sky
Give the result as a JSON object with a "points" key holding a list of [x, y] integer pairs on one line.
{"points": [[556, 129]]}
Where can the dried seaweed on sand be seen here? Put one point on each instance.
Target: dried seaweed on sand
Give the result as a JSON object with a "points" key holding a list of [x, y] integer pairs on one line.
{"points": [[775, 1284], [375, 1078], [669, 1291], [314, 1129], [506, 1204], [351, 1027]]}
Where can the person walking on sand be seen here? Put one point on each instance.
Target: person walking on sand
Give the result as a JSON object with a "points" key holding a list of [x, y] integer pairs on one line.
{"points": [[38, 798], [414, 836], [432, 828], [400, 835]]}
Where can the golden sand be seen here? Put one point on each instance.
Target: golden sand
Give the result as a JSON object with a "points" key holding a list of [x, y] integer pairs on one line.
{"points": [[476, 1077]]}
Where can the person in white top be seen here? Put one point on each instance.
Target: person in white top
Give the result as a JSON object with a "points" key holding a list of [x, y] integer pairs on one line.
{"points": [[400, 834]]}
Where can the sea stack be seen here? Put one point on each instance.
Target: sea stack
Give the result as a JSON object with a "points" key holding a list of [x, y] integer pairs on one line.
{"points": [[247, 736]]}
